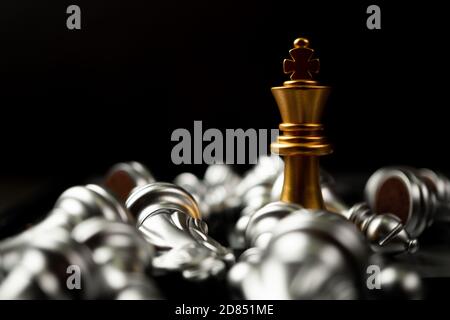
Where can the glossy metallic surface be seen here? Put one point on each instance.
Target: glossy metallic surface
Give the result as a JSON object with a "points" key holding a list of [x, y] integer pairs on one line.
{"points": [[417, 197], [384, 232], [122, 178], [40, 273], [74, 206], [262, 223], [311, 255], [301, 102], [122, 257], [168, 218], [160, 195]]}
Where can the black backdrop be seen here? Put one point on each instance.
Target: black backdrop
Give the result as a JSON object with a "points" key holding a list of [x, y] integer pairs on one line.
{"points": [[74, 102]]}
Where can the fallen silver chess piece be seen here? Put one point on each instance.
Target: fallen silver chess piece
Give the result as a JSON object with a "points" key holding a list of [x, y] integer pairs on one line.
{"points": [[74, 206], [394, 280], [309, 255], [418, 197], [40, 272], [254, 192], [122, 257], [169, 218], [123, 177], [215, 193], [384, 231], [88, 230]]}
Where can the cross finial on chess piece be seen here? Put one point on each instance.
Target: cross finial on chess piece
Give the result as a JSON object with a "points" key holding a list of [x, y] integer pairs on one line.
{"points": [[301, 101], [302, 66]]}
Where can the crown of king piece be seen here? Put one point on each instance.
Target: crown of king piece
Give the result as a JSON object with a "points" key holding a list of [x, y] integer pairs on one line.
{"points": [[302, 66]]}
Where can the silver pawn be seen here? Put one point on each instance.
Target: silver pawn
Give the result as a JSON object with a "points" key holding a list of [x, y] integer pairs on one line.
{"points": [[417, 197], [384, 232]]}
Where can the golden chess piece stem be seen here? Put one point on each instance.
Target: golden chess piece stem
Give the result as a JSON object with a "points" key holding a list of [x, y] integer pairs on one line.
{"points": [[301, 101]]}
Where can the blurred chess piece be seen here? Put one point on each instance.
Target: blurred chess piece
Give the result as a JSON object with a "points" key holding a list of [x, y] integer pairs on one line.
{"points": [[220, 181], [264, 172], [215, 193], [42, 270], [384, 232], [254, 192], [301, 101], [226, 200], [34, 262], [310, 255], [195, 187], [74, 205], [109, 257], [221, 175], [254, 199], [416, 197], [122, 257], [169, 218], [395, 281], [262, 223], [122, 178], [399, 282]]}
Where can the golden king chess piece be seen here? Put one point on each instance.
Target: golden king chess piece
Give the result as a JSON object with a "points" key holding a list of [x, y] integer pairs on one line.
{"points": [[301, 101]]}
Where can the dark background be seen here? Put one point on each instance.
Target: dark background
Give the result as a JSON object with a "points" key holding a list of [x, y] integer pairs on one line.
{"points": [[74, 102]]}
